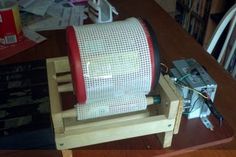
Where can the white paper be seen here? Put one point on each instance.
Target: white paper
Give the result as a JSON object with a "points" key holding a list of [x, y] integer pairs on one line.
{"points": [[51, 23], [32, 35], [55, 10], [38, 7], [25, 3], [61, 18]]}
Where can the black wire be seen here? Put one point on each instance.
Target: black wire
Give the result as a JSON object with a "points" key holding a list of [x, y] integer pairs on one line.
{"points": [[191, 110], [213, 109]]}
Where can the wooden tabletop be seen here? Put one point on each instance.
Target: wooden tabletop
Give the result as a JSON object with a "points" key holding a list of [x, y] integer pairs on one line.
{"points": [[174, 43]]}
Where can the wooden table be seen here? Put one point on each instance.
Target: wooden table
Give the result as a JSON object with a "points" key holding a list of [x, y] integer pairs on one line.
{"points": [[174, 43]]}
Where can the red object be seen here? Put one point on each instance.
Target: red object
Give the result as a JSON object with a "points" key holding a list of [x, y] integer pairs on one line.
{"points": [[151, 50], [10, 25], [7, 51], [76, 66]]}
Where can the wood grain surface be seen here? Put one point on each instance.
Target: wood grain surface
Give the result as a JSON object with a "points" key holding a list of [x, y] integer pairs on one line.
{"points": [[174, 43]]}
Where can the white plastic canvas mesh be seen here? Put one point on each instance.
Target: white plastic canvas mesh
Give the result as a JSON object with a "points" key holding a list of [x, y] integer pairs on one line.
{"points": [[111, 106], [115, 60]]}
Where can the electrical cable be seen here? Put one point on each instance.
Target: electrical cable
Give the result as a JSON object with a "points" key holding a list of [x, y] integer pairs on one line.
{"points": [[213, 109], [166, 70], [183, 77], [198, 92], [193, 106]]}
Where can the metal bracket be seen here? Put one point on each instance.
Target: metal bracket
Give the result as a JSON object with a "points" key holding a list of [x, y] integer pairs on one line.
{"points": [[207, 123]]}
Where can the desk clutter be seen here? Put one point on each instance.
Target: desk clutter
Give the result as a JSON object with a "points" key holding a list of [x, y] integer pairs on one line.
{"points": [[20, 20], [13, 37], [58, 14]]}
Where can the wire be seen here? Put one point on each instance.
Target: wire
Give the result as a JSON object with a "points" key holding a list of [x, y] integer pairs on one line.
{"points": [[206, 94], [183, 77], [198, 92], [166, 67], [192, 108]]}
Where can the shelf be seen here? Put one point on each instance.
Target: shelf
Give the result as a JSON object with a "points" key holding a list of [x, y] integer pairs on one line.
{"points": [[193, 16]]}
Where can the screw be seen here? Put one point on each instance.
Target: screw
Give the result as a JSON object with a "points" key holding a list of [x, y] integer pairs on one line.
{"points": [[148, 146]]}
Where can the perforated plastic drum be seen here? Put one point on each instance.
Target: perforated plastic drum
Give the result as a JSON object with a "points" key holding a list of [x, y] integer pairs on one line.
{"points": [[113, 59]]}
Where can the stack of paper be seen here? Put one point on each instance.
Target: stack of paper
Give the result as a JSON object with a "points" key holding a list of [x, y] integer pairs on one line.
{"points": [[35, 6], [54, 14]]}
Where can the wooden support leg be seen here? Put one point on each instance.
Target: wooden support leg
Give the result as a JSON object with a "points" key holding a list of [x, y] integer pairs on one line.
{"points": [[165, 138], [67, 153], [70, 134]]}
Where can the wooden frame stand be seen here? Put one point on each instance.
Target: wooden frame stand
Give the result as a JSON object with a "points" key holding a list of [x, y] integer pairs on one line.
{"points": [[162, 119]]}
